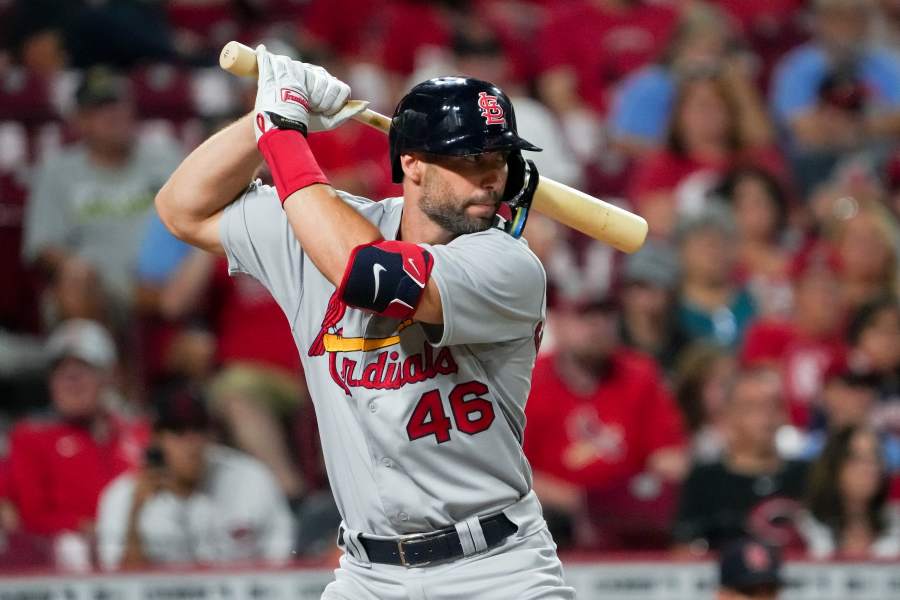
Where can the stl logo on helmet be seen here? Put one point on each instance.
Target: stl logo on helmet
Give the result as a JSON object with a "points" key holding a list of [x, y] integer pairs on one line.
{"points": [[490, 110]]}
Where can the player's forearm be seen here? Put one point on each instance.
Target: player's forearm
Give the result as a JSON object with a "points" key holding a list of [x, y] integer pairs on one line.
{"points": [[209, 179], [327, 228]]}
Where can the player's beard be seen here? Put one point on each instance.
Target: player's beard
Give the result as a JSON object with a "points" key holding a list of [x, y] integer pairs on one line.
{"points": [[446, 210]]}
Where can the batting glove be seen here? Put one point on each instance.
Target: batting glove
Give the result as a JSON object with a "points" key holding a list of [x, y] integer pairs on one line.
{"points": [[295, 95]]}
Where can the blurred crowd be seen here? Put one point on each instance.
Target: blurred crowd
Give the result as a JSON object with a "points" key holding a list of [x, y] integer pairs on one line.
{"points": [[738, 376]]}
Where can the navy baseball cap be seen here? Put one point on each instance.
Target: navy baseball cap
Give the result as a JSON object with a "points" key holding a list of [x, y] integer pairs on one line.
{"points": [[749, 565]]}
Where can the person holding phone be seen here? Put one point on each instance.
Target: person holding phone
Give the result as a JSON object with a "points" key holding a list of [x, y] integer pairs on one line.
{"points": [[193, 502]]}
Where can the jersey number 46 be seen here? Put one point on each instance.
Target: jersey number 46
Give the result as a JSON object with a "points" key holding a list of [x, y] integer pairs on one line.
{"points": [[471, 413]]}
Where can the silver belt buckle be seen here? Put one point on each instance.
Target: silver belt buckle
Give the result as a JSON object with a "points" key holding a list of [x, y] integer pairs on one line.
{"points": [[405, 540]]}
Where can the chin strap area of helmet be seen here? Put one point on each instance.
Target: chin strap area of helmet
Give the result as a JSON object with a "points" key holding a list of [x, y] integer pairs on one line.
{"points": [[521, 185]]}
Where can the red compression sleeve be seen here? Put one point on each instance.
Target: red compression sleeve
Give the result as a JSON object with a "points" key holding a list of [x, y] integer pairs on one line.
{"points": [[290, 160]]}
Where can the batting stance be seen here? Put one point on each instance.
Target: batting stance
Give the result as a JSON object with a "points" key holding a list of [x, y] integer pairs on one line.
{"points": [[417, 320]]}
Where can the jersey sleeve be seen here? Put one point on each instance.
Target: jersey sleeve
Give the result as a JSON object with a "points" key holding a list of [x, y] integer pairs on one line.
{"points": [[492, 287], [258, 241], [112, 521]]}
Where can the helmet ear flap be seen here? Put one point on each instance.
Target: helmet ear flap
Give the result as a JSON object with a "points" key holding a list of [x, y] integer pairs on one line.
{"points": [[515, 175], [521, 183]]}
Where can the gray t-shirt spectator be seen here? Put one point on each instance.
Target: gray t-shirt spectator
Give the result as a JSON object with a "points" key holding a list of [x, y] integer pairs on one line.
{"points": [[97, 213]]}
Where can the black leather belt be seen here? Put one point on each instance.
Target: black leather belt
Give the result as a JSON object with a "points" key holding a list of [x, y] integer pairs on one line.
{"points": [[418, 550]]}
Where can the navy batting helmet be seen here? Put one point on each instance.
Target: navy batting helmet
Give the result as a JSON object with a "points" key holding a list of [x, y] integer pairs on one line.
{"points": [[460, 116]]}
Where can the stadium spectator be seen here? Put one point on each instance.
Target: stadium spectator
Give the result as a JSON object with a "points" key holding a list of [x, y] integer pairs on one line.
{"points": [[760, 207], [258, 384], [751, 490], [847, 500], [702, 43], [90, 203], [59, 464], [749, 569], [710, 305], [837, 93], [810, 340], [193, 502], [648, 324], [701, 380], [866, 244], [606, 423], [874, 335], [708, 134], [850, 399]]}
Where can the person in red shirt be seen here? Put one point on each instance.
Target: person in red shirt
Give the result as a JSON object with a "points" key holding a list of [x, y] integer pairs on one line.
{"points": [[59, 465], [810, 341], [716, 124], [603, 435]]}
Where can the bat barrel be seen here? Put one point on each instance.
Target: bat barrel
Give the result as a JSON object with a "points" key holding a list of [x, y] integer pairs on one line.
{"points": [[600, 220]]}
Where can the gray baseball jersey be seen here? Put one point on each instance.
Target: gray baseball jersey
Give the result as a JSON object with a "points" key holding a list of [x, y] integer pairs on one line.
{"points": [[421, 425]]}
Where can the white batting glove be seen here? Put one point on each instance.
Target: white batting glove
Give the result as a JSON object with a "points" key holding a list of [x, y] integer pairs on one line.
{"points": [[295, 95]]}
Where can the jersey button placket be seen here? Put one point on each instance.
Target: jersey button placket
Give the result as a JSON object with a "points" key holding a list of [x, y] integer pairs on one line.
{"points": [[387, 462]]}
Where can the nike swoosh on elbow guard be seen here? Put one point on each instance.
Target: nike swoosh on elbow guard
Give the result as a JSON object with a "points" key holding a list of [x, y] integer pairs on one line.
{"points": [[376, 270]]}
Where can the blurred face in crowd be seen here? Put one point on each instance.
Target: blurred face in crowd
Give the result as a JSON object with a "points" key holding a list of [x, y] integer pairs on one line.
{"points": [[817, 302], [701, 49], [880, 340], [703, 117], [714, 392], [461, 194], [646, 299], [108, 128], [184, 453], [588, 336], [707, 256], [754, 412], [847, 405], [862, 471], [76, 388], [865, 248], [755, 211], [842, 26]]}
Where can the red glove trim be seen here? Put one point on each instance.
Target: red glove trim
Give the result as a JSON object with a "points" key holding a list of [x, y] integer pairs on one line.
{"points": [[290, 160]]}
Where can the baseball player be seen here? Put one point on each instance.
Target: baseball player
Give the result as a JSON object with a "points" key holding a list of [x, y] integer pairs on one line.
{"points": [[417, 320]]}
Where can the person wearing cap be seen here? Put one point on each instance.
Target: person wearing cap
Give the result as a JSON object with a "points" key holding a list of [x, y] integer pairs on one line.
{"points": [[193, 502], [749, 569], [650, 280], [90, 202], [609, 431], [59, 463], [838, 91]]}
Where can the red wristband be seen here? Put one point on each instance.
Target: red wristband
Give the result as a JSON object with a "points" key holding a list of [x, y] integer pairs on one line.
{"points": [[290, 160]]}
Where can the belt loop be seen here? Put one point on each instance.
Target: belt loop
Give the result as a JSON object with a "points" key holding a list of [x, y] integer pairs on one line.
{"points": [[355, 547], [465, 538], [474, 525]]}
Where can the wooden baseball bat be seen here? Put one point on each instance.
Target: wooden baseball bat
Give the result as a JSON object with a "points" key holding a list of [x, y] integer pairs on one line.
{"points": [[601, 220]]}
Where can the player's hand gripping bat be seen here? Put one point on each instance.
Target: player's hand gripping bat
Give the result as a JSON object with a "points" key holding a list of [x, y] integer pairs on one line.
{"points": [[601, 220]]}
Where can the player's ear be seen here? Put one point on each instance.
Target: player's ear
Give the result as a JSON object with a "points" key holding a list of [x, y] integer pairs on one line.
{"points": [[413, 167]]}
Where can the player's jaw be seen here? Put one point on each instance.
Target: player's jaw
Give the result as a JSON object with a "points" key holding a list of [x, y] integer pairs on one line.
{"points": [[455, 204]]}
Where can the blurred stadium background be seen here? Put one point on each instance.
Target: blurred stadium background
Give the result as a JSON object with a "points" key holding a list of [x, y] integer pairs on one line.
{"points": [[738, 377]]}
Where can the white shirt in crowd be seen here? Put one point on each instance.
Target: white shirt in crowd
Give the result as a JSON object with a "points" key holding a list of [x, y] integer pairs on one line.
{"points": [[238, 514]]}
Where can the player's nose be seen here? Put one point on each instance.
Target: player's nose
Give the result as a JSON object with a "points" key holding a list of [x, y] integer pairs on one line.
{"points": [[492, 179]]}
